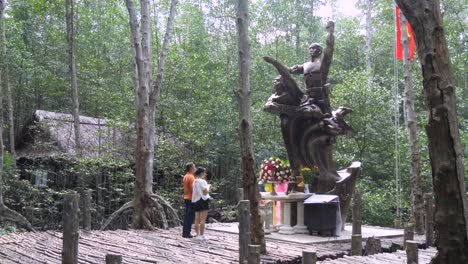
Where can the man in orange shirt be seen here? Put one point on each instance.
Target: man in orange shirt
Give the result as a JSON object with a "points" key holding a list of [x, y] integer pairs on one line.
{"points": [[189, 216]]}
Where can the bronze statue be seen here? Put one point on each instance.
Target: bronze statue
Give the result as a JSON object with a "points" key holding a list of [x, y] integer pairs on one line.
{"points": [[308, 124]]}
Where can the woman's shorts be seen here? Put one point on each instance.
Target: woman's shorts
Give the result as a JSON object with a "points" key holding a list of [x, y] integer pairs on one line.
{"points": [[202, 205]]}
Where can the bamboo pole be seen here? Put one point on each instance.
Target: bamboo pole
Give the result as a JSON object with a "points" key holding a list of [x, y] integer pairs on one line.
{"points": [[409, 233], [357, 213], [373, 246], [411, 252], [356, 245], [254, 254], [309, 257], [86, 203], [244, 230], [240, 194], [71, 223], [113, 259]]}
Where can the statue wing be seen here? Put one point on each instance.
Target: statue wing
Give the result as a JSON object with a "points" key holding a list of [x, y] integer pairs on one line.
{"points": [[288, 80]]}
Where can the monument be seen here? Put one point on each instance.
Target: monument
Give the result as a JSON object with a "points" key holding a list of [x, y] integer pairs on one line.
{"points": [[308, 124]]}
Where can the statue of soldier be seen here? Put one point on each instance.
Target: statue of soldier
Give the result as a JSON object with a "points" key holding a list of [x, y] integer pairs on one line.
{"points": [[308, 124]]}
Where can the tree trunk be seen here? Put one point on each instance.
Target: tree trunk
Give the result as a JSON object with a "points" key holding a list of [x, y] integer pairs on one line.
{"points": [[144, 148], [445, 151], [133, 21], [7, 85], [146, 102], [72, 69], [417, 208], [243, 92], [163, 54], [5, 212], [368, 38], [155, 93]]}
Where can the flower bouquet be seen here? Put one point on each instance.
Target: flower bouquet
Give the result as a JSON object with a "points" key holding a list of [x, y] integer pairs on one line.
{"points": [[275, 170], [308, 174]]}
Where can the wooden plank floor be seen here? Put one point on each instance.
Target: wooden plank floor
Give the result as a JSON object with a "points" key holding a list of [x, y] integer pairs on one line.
{"points": [[138, 246], [399, 257]]}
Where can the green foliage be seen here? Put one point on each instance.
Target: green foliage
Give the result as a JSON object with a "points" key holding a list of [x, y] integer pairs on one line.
{"points": [[7, 228], [112, 183], [372, 119], [196, 113], [379, 204]]}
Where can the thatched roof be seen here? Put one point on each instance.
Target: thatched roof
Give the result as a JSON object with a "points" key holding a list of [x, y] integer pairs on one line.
{"points": [[50, 134]]}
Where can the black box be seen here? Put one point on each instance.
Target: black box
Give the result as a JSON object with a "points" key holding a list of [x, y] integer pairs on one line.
{"points": [[320, 217]]}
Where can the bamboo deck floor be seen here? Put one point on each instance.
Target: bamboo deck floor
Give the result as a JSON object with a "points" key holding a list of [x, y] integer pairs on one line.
{"points": [[399, 257], [137, 246], [167, 246]]}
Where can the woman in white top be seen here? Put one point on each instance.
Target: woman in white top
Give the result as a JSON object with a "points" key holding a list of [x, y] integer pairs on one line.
{"points": [[201, 199]]}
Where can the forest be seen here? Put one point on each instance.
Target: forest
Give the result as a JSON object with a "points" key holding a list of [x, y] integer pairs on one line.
{"points": [[196, 110]]}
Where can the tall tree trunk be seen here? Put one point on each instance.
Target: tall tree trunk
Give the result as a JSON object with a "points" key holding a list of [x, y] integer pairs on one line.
{"points": [[133, 21], [144, 149], [146, 103], [368, 38], [245, 127], [72, 69], [8, 88], [445, 151], [417, 208], [5, 212], [156, 92], [2, 205], [163, 54]]}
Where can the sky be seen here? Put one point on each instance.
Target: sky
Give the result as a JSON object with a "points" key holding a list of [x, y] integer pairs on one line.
{"points": [[347, 7]]}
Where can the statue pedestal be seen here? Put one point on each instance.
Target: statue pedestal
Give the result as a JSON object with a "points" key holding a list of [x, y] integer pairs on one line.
{"points": [[286, 200], [286, 227], [300, 228]]}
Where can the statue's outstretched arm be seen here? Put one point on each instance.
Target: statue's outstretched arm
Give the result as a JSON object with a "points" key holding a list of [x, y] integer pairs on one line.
{"points": [[328, 52], [297, 69], [288, 80]]}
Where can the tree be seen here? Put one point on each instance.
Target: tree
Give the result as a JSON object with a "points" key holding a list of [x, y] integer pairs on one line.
{"points": [[72, 72], [7, 86], [445, 150], [144, 200], [5, 212], [417, 208], [368, 37], [243, 94]]}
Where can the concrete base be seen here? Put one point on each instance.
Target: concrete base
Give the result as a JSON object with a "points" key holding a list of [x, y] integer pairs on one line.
{"points": [[286, 230], [276, 228], [300, 229], [367, 231]]}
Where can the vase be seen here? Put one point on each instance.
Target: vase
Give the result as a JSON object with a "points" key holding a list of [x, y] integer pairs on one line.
{"points": [[300, 184]]}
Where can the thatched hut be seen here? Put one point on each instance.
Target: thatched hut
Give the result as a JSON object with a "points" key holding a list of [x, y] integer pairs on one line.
{"points": [[46, 158], [49, 134], [46, 147]]}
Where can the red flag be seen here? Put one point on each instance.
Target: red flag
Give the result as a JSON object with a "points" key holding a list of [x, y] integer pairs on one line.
{"points": [[399, 47]]}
